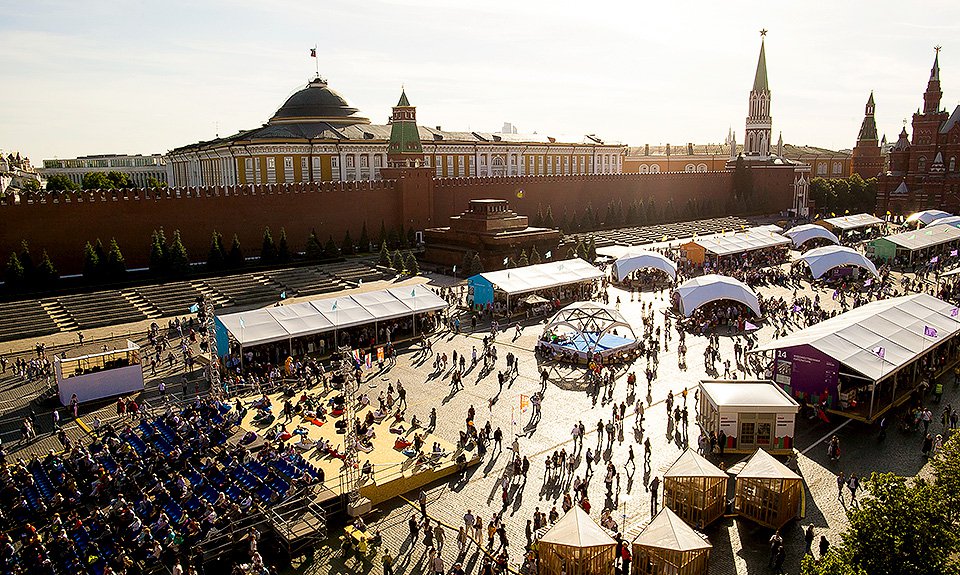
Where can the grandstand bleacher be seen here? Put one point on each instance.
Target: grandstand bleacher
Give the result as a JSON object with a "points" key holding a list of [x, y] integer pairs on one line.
{"points": [[97, 309], [22, 319]]}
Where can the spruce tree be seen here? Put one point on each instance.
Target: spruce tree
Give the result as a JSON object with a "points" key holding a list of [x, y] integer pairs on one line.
{"points": [[13, 276], [283, 250], [158, 261], [330, 250], [116, 266], [216, 257], [102, 268], [178, 259], [346, 246], [548, 219], [476, 266], [383, 234], [535, 257], [405, 237], [46, 274], [384, 255], [538, 219], [581, 249], [314, 251], [466, 265], [393, 239], [268, 250], [572, 252], [511, 263], [235, 258], [364, 239], [524, 261], [26, 261], [592, 250], [91, 263], [411, 237], [397, 261], [412, 267]]}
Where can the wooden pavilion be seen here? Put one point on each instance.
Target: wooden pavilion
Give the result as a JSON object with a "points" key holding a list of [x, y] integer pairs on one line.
{"points": [[671, 547], [576, 545], [767, 491], [695, 489]]}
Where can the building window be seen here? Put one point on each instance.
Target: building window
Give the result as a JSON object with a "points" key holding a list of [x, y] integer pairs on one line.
{"points": [[248, 170], [644, 169], [450, 166], [304, 169], [549, 165], [702, 168], [472, 166], [461, 167], [438, 161], [837, 168], [271, 170], [655, 169], [334, 168], [350, 161], [690, 168], [953, 163], [287, 169], [821, 169], [922, 164], [540, 165], [582, 164], [364, 161], [566, 165]]}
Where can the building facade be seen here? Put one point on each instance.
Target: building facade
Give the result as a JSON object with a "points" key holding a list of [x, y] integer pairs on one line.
{"points": [[316, 136], [141, 170], [17, 173], [923, 171], [867, 158]]}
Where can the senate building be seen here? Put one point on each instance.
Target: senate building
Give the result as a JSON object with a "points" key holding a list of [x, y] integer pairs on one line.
{"points": [[317, 136]]}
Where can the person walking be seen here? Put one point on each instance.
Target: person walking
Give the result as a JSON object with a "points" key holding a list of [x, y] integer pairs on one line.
{"points": [[776, 542], [387, 561], [781, 556], [841, 481], [414, 529], [853, 483], [438, 537], [824, 546], [422, 498], [461, 540], [808, 540], [654, 486], [927, 445]]}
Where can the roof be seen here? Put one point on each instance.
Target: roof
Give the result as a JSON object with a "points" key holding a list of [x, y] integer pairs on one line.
{"points": [[749, 395], [803, 233], [634, 260], [541, 276], [712, 287], [822, 260], [762, 465], [845, 223], [948, 221], [892, 327], [278, 323], [316, 101], [576, 529], [901, 189], [918, 239], [927, 216], [668, 531], [760, 79], [692, 464], [728, 243], [951, 121], [403, 99]]}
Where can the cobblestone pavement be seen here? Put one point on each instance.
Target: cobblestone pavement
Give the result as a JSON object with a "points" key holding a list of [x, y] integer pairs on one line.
{"points": [[738, 546]]}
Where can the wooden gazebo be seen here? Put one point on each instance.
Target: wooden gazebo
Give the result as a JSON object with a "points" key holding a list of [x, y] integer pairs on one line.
{"points": [[671, 547], [767, 491], [576, 545], [695, 489]]}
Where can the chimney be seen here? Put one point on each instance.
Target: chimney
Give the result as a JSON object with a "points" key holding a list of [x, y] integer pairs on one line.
{"points": [[689, 148], [646, 149]]}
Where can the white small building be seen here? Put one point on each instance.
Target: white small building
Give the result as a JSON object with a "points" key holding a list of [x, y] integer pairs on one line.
{"points": [[99, 375], [751, 414]]}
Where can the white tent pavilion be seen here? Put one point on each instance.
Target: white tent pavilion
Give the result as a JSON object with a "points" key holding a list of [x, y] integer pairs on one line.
{"points": [[724, 244], [852, 222], [532, 278], [260, 326], [822, 260], [712, 287], [635, 260], [806, 232], [927, 216], [948, 221]]}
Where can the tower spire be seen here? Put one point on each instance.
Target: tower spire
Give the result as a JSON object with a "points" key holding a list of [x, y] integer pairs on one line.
{"points": [[760, 79], [931, 98], [404, 149], [756, 139]]}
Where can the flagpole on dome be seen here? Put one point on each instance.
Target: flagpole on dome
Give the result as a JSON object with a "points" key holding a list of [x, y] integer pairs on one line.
{"points": [[313, 54], [880, 352]]}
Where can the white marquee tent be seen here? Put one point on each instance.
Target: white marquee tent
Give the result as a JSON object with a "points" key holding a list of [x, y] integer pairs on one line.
{"points": [[894, 328], [538, 276], [927, 216], [635, 260], [949, 220], [729, 243], [806, 232], [705, 289], [822, 260], [852, 222], [259, 326]]}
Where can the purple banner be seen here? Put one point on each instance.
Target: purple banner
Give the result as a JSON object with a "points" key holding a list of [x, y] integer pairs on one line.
{"points": [[808, 372]]}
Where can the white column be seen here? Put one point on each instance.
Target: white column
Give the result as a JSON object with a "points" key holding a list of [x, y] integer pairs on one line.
{"points": [[370, 164]]}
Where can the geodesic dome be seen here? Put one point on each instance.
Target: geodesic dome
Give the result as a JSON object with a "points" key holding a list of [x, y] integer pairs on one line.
{"points": [[590, 326]]}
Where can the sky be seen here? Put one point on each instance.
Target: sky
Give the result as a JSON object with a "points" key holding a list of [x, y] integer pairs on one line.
{"points": [[130, 76]]}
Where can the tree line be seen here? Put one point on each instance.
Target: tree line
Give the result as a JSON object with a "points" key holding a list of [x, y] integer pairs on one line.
{"points": [[112, 180], [838, 195]]}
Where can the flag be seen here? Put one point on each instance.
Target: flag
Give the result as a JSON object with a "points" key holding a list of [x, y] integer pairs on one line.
{"points": [[194, 308], [313, 52], [868, 282], [524, 402], [283, 294], [747, 326], [334, 305], [356, 356], [953, 253], [520, 194], [934, 259], [796, 308], [241, 323], [380, 353], [369, 361], [836, 293], [505, 260], [454, 269], [879, 351], [929, 331], [548, 255], [954, 311]]}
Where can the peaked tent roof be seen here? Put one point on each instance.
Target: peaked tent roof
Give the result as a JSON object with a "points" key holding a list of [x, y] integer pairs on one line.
{"points": [[692, 464], [933, 235], [927, 216], [762, 465], [403, 99], [896, 325], [541, 276], [577, 529], [668, 531], [712, 287], [948, 221], [803, 233], [760, 80], [822, 260], [728, 243], [634, 260], [851, 222]]}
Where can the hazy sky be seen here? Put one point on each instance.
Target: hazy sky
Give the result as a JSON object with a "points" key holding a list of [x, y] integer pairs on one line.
{"points": [[138, 77]]}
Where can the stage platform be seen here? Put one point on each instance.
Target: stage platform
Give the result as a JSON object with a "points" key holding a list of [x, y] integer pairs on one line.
{"points": [[394, 473], [579, 345]]}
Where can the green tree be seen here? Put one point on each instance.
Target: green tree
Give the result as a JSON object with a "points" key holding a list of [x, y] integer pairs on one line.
{"points": [[946, 467], [314, 251], [582, 249], [397, 261], [235, 258], [511, 263], [283, 250], [592, 250], [268, 249], [119, 179], [548, 218], [158, 253], [572, 252], [155, 183], [364, 239], [466, 265], [46, 275], [413, 268], [97, 181], [902, 528], [821, 192], [524, 261], [383, 234], [836, 562], [26, 260], [330, 250], [841, 191], [217, 256], [91, 263], [346, 246], [116, 267], [538, 220], [384, 255], [61, 183], [14, 275], [535, 257], [476, 265], [178, 261], [404, 238], [101, 272]]}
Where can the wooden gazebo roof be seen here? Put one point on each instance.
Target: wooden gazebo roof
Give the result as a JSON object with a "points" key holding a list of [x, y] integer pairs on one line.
{"points": [[577, 529], [692, 464], [668, 531], [762, 465]]}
